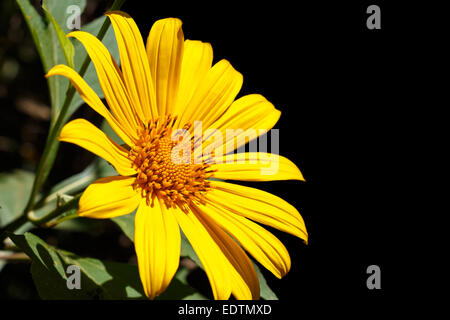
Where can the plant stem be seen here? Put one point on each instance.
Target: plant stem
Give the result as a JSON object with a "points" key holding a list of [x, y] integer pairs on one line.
{"points": [[55, 213], [52, 143]]}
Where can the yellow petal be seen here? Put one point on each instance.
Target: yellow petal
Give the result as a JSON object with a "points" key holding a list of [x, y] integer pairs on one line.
{"points": [[91, 98], [259, 206], [213, 95], [108, 198], [157, 242], [165, 44], [84, 134], [215, 264], [111, 81], [197, 60], [255, 166], [245, 283], [260, 243], [250, 116], [134, 64]]}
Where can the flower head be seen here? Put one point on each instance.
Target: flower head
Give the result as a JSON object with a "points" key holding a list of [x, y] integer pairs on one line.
{"points": [[155, 98]]}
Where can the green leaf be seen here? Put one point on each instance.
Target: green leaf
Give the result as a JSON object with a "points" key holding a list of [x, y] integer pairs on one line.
{"points": [[69, 186], [195, 296], [265, 291], [188, 251], [106, 128], [126, 223], [47, 268], [99, 168], [65, 43], [114, 280], [15, 188], [177, 290], [51, 53], [181, 276], [99, 279], [46, 41], [66, 210]]}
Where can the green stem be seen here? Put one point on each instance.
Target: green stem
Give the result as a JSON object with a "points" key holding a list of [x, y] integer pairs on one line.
{"points": [[55, 213], [14, 225], [51, 146]]}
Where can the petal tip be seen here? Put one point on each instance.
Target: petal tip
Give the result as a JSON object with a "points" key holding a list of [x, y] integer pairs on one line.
{"points": [[300, 176], [54, 70], [72, 34], [176, 21], [118, 13]]}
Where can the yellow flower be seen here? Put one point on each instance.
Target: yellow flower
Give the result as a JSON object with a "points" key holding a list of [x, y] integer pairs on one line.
{"points": [[166, 85]]}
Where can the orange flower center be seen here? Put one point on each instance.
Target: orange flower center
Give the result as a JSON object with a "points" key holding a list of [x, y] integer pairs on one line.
{"points": [[165, 166]]}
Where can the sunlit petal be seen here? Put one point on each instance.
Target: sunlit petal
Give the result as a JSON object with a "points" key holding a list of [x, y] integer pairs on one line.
{"points": [[255, 166], [165, 45], [91, 98], [134, 64], [108, 198], [213, 95], [157, 242], [216, 266], [245, 283], [259, 206], [111, 81], [84, 134]]}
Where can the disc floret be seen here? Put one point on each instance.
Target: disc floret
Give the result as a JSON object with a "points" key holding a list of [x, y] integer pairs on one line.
{"points": [[164, 172]]}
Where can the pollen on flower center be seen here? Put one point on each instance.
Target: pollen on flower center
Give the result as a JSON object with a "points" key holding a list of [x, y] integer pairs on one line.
{"points": [[164, 172]]}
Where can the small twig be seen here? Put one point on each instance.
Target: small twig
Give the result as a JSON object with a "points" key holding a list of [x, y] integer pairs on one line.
{"points": [[13, 256]]}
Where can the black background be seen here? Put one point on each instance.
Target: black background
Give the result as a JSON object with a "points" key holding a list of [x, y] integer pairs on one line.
{"points": [[345, 122], [337, 84]]}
